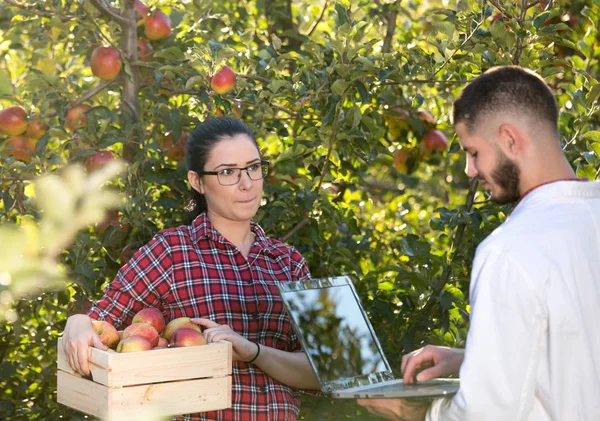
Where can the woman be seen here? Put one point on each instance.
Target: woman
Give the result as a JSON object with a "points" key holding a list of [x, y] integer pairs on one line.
{"points": [[221, 270]]}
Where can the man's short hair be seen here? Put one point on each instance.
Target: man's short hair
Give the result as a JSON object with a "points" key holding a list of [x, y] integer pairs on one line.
{"points": [[505, 88]]}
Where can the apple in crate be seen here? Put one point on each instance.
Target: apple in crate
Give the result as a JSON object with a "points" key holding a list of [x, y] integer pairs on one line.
{"points": [[162, 343], [150, 315], [134, 344], [145, 330], [178, 323], [186, 337], [107, 333]]}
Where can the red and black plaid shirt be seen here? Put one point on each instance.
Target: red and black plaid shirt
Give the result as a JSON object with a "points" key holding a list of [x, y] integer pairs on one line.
{"points": [[193, 271]]}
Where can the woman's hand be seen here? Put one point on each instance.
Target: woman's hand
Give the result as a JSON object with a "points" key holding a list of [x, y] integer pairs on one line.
{"points": [[243, 349], [395, 409], [77, 338]]}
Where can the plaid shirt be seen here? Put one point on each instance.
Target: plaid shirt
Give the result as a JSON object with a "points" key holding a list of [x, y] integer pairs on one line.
{"points": [[193, 271]]}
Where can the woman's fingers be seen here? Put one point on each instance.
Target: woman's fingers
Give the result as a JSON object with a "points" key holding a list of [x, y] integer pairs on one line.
{"points": [[205, 323]]}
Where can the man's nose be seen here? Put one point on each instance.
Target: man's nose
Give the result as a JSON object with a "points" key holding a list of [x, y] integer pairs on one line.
{"points": [[470, 168]]}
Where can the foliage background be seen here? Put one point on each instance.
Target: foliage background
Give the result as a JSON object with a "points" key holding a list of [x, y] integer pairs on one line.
{"points": [[320, 83]]}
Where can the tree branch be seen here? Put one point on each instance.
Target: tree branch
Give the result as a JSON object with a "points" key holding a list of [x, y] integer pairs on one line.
{"points": [[500, 9], [390, 31], [296, 228], [110, 12], [445, 63], [37, 12], [456, 245], [315, 23], [255, 77], [93, 92], [519, 47]]}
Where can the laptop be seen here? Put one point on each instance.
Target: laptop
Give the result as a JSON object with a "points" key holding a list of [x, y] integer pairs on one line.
{"points": [[341, 345]]}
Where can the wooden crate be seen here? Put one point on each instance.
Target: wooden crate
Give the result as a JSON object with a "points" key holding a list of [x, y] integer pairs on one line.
{"points": [[147, 384]]}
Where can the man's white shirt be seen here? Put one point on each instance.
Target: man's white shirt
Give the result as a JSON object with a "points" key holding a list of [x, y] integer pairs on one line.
{"points": [[533, 347]]}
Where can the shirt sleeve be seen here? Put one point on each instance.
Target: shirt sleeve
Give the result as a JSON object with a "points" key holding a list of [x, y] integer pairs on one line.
{"points": [[497, 377], [300, 269], [142, 282]]}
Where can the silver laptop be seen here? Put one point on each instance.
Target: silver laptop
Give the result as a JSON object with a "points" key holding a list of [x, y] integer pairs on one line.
{"points": [[341, 344]]}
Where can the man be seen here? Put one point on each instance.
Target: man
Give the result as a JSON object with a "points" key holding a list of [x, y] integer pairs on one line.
{"points": [[533, 347]]}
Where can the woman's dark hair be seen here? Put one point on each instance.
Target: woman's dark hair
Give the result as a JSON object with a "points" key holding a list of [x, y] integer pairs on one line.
{"points": [[199, 144]]}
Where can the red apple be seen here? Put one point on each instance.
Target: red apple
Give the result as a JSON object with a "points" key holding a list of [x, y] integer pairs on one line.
{"points": [[186, 337], [144, 50], [142, 329], [106, 63], [13, 120], [98, 160], [142, 9], [152, 316], [426, 116], [162, 343], [75, 118], [434, 140], [175, 152], [21, 148], [36, 129], [134, 344], [107, 333], [157, 26], [223, 81], [179, 323]]}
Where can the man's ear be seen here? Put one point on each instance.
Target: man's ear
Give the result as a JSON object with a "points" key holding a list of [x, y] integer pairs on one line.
{"points": [[512, 141], [195, 181]]}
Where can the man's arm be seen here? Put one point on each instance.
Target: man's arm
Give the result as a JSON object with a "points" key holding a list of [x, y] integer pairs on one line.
{"points": [[503, 344]]}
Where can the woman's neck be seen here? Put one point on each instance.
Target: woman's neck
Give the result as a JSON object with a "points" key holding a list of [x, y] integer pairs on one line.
{"points": [[236, 232]]}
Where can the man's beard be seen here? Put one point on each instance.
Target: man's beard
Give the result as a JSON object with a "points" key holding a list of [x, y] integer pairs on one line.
{"points": [[507, 176]]}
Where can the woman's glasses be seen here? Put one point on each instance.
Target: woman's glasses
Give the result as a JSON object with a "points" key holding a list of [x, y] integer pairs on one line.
{"points": [[231, 176]]}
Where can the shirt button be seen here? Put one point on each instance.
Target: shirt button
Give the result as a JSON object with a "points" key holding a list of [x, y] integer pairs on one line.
{"points": [[263, 389], [255, 315]]}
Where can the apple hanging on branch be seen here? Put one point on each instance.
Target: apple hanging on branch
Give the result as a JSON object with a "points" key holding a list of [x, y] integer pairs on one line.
{"points": [[158, 26], [105, 63], [98, 160], [434, 141], [36, 129], [76, 118], [13, 120], [223, 81], [21, 148]]}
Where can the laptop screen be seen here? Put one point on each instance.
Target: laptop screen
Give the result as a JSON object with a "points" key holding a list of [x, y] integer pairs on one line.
{"points": [[334, 329]]}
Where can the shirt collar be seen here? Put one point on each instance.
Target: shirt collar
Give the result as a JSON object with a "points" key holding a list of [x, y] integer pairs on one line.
{"points": [[580, 187], [202, 228]]}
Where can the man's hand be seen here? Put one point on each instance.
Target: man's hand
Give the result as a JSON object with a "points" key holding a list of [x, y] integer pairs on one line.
{"points": [[395, 409], [437, 361]]}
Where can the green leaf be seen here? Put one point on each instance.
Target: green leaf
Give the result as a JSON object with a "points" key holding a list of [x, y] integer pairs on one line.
{"points": [[593, 135], [339, 87], [587, 171], [596, 148], [593, 95], [5, 83], [276, 85], [171, 53]]}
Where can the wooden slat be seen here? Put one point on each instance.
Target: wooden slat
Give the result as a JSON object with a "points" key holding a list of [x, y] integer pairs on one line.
{"points": [[81, 394], [144, 402], [158, 365]]}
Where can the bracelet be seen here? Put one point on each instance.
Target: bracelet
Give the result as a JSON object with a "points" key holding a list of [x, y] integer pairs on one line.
{"points": [[257, 353]]}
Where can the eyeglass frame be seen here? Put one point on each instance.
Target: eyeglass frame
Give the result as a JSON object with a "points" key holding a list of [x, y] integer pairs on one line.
{"points": [[262, 162]]}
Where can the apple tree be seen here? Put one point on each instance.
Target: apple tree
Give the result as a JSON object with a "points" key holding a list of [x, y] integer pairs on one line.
{"points": [[350, 102]]}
